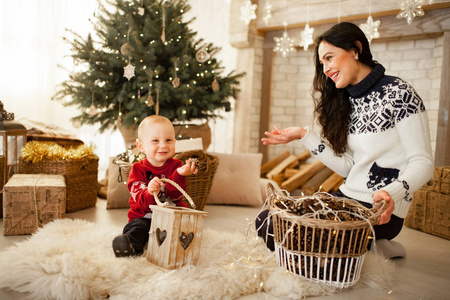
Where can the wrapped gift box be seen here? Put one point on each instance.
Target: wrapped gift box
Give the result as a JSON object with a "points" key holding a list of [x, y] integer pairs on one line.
{"points": [[430, 212], [441, 180], [31, 201]]}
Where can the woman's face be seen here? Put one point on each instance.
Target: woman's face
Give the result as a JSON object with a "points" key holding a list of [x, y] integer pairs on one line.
{"points": [[340, 65]]}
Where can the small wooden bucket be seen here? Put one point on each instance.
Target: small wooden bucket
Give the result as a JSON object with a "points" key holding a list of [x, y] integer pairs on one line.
{"points": [[317, 248], [175, 234]]}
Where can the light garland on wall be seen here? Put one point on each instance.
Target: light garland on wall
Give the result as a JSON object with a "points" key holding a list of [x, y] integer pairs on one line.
{"points": [[267, 12], [306, 36], [411, 9], [284, 44], [370, 28], [248, 12]]}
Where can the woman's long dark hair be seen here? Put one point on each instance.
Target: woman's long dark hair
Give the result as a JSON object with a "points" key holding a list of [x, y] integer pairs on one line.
{"points": [[331, 105]]}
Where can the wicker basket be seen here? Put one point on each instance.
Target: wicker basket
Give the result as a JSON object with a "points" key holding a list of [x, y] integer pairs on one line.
{"points": [[321, 250], [80, 176], [199, 185]]}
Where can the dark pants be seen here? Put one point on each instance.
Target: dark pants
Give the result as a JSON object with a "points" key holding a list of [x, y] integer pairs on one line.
{"points": [[386, 231], [137, 231]]}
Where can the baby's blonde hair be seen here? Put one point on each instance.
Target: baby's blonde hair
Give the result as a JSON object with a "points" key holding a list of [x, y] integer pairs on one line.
{"points": [[151, 120]]}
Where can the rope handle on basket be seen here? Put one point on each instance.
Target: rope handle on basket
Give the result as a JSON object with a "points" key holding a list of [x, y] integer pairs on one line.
{"points": [[178, 188]]}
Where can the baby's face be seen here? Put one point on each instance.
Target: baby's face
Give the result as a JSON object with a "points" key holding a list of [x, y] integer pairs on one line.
{"points": [[158, 142]]}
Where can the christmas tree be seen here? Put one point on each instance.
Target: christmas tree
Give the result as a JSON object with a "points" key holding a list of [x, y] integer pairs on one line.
{"points": [[145, 60]]}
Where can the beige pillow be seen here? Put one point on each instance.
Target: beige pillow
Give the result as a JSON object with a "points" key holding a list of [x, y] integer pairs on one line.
{"points": [[117, 195], [237, 180]]}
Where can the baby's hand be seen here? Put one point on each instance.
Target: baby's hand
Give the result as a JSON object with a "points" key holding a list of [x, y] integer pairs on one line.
{"points": [[155, 185], [189, 168]]}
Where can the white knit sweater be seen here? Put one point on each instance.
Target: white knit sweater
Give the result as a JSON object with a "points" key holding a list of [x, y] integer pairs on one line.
{"points": [[388, 142]]}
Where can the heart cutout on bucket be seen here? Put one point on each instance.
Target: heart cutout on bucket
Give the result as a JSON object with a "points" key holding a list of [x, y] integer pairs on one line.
{"points": [[160, 236], [186, 239]]}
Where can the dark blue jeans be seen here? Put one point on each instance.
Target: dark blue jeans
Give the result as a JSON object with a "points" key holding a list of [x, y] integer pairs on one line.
{"points": [[137, 231], [386, 231]]}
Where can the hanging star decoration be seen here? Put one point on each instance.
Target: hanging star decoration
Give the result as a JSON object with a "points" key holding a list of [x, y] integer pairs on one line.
{"points": [[411, 9], [248, 12], [128, 71], [284, 44], [370, 29], [306, 37]]}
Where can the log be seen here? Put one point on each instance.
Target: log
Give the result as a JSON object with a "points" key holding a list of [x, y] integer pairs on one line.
{"points": [[314, 183], [331, 182], [281, 166], [299, 179], [289, 172], [337, 185], [268, 166], [304, 155]]}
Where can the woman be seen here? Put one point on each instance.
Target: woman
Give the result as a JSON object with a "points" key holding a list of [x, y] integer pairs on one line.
{"points": [[374, 130]]}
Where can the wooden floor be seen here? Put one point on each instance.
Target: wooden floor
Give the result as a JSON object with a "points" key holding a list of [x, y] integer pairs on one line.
{"points": [[423, 274]]}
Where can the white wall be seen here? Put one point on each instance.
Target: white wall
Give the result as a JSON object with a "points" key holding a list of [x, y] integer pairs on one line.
{"points": [[31, 46]]}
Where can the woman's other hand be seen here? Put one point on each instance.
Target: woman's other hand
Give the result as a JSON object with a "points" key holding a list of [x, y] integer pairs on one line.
{"points": [[386, 215], [283, 136]]}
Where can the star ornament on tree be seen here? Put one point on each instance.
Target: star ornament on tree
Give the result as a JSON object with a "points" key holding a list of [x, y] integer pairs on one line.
{"points": [[411, 9], [306, 37], [128, 71], [284, 44], [370, 29], [248, 12]]}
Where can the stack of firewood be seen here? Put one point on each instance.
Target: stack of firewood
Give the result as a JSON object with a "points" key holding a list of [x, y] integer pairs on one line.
{"points": [[293, 173]]}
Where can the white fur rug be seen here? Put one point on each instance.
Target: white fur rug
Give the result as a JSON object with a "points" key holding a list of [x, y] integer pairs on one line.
{"points": [[73, 259]]}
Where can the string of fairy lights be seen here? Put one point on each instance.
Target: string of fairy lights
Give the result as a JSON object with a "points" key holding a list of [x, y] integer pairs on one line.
{"points": [[409, 9]]}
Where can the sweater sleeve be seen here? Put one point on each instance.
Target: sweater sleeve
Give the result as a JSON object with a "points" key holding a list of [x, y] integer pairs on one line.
{"points": [[415, 138], [140, 197], [323, 152]]}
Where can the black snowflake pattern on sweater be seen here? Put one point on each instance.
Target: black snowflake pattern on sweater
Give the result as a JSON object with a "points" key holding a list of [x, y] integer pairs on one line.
{"points": [[381, 109], [319, 148]]}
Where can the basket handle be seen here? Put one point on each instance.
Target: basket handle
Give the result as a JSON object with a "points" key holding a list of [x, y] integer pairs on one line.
{"points": [[178, 188]]}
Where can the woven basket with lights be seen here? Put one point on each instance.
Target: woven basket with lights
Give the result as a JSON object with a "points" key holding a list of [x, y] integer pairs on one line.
{"points": [[320, 237], [78, 165]]}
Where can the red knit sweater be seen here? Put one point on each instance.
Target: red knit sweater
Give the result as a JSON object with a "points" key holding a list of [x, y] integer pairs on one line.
{"points": [[140, 175]]}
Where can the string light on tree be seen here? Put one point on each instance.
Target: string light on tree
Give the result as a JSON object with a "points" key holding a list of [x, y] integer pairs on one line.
{"points": [[284, 44], [248, 12], [370, 28]]}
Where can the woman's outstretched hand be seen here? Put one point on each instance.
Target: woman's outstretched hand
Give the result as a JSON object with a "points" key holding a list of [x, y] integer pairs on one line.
{"points": [[283, 136]]}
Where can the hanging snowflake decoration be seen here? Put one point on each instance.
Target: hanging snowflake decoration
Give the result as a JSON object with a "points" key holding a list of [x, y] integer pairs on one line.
{"points": [[306, 37], [284, 44], [411, 9], [248, 12], [370, 29], [128, 71], [267, 12]]}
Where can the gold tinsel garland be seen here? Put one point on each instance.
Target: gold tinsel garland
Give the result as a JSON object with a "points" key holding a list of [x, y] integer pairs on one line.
{"points": [[36, 151]]}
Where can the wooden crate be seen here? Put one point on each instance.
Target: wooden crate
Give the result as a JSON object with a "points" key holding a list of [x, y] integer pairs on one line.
{"points": [[175, 236]]}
